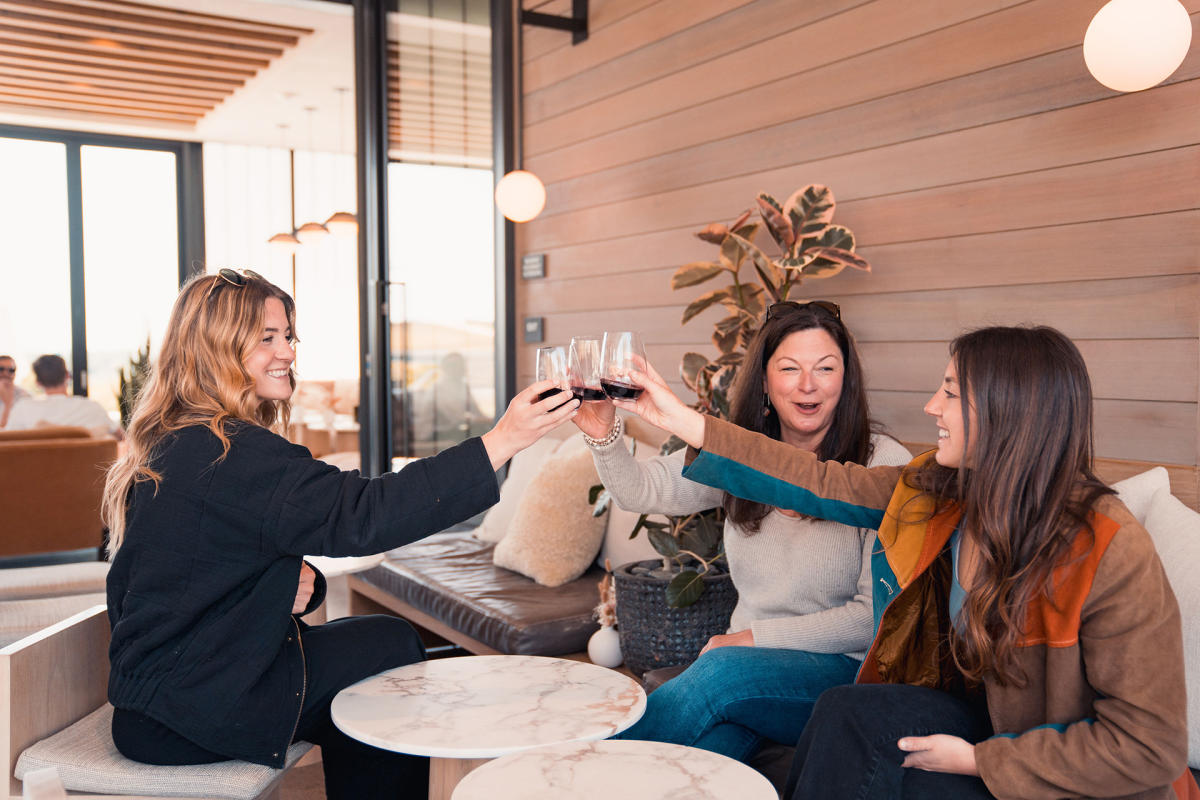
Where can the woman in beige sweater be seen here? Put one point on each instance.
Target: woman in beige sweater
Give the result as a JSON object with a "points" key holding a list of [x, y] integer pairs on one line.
{"points": [[803, 618]]}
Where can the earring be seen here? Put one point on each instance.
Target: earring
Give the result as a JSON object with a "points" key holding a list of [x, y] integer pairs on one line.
{"points": [[766, 406]]}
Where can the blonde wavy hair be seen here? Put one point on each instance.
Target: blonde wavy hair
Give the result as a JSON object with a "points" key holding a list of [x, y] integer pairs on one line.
{"points": [[200, 378]]}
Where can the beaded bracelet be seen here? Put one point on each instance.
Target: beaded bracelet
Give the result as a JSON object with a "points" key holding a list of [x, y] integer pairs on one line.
{"points": [[612, 436]]}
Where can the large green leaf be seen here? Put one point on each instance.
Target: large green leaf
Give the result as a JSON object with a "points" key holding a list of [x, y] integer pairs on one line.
{"points": [[822, 268], [809, 210], [835, 236], [796, 262], [689, 368], [728, 324], [694, 273], [777, 222], [703, 302], [837, 255], [732, 254], [725, 342], [663, 542], [714, 232], [684, 589], [722, 382], [731, 358], [768, 273]]}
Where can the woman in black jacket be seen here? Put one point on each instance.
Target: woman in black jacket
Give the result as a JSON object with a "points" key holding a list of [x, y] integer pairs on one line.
{"points": [[210, 514]]}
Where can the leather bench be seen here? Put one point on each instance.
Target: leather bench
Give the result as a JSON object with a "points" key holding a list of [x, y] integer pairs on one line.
{"points": [[447, 585]]}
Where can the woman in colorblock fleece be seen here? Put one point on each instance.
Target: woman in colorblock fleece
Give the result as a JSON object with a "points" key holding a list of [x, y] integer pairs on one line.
{"points": [[1027, 643], [803, 619]]}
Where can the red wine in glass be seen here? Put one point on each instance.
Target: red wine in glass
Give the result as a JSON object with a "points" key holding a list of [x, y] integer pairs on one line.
{"points": [[543, 395], [620, 390], [586, 393]]}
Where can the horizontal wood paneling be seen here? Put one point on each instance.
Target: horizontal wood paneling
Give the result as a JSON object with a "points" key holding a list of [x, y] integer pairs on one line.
{"points": [[1134, 429], [987, 176]]}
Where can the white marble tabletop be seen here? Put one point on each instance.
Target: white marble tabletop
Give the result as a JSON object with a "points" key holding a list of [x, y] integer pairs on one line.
{"points": [[487, 706], [629, 770]]}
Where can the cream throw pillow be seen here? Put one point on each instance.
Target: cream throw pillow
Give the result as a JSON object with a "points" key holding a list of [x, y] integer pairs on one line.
{"points": [[1137, 491], [521, 469], [1175, 529], [553, 536]]}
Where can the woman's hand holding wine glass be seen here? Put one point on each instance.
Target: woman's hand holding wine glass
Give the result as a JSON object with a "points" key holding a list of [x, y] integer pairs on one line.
{"points": [[659, 406]]}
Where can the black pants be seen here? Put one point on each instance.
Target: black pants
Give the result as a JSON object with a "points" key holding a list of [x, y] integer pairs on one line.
{"points": [[337, 654], [848, 749]]}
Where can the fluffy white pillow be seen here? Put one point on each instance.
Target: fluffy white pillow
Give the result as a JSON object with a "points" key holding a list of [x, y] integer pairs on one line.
{"points": [[1137, 491], [553, 536], [521, 469], [1175, 529]]}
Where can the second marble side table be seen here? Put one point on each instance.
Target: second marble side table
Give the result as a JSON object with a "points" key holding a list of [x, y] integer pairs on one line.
{"points": [[465, 711]]}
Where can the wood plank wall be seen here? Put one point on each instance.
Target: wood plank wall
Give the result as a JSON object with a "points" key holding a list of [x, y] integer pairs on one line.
{"points": [[988, 177]]}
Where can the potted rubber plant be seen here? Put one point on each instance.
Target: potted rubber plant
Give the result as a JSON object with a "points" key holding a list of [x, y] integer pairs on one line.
{"points": [[803, 243]]}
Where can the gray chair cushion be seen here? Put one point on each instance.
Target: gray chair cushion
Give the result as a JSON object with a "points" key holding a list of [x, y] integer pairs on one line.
{"points": [[19, 618], [88, 761], [52, 580]]}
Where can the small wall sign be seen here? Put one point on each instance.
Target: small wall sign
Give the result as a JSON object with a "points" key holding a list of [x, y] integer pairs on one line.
{"points": [[533, 265], [533, 329]]}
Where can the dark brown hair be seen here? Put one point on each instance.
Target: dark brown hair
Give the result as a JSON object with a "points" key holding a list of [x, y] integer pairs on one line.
{"points": [[849, 435], [1026, 484], [50, 371]]}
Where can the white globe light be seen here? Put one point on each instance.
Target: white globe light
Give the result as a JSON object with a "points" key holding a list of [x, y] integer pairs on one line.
{"points": [[1132, 45], [520, 196]]}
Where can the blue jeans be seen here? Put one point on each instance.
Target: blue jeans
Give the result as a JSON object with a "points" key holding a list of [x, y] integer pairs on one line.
{"points": [[733, 698]]}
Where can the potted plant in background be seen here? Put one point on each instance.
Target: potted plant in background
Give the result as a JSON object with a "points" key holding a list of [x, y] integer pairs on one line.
{"points": [[129, 386], [668, 611]]}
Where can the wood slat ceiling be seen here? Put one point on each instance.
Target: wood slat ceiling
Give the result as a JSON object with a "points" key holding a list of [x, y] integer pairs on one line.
{"points": [[126, 60], [439, 98]]}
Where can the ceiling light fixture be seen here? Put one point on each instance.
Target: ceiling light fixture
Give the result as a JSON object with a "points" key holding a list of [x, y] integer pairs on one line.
{"points": [[287, 243], [520, 194], [311, 232], [1132, 45], [342, 223]]}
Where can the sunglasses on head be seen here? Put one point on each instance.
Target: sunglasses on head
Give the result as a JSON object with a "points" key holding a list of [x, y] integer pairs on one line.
{"points": [[776, 310], [234, 278]]}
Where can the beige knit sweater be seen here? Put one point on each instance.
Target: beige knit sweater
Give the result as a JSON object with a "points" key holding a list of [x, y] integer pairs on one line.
{"points": [[802, 584]]}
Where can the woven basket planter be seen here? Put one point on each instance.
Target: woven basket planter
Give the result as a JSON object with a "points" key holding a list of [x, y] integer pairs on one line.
{"points": [[654, 635]]}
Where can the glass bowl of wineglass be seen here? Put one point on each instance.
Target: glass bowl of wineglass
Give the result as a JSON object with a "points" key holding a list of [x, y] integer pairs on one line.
{"points": [[584, 367], [621, 353], [551, 365]]}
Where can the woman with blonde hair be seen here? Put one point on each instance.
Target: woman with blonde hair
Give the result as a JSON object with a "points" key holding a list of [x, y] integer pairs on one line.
{"points": [[210, 514], [1027, 642]]}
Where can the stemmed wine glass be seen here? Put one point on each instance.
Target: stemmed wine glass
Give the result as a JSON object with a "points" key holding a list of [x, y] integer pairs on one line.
{"points": [[622, 353], [552, 366], [584, 367]]}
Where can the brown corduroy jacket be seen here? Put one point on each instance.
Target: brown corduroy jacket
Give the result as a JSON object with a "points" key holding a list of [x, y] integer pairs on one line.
{"points": [[1102, 712]]}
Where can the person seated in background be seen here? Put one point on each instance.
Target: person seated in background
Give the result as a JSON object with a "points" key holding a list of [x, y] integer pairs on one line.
{"points": [[10, 393], [59, 407], [803, 618]]}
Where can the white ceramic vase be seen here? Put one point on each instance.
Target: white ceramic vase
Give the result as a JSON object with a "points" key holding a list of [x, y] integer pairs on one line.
{"points": [[604, 648]]}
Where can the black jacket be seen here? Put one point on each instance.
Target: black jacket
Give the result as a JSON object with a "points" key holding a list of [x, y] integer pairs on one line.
{"points": [[201, 591]]}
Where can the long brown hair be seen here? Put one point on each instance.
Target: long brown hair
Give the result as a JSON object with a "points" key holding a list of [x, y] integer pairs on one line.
{"points": [[200, 378], [849, 435], [1025, 485]]}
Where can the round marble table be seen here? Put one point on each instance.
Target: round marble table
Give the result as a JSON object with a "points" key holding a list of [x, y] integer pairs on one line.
{"points": [[628, 770], [464, 711]]}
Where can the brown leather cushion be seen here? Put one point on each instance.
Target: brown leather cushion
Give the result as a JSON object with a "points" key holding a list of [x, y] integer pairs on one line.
{"points": [[451, 577], [46, 432]]}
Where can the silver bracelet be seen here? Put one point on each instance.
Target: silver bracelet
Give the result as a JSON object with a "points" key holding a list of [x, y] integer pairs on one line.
{"points": [[612, 436]]}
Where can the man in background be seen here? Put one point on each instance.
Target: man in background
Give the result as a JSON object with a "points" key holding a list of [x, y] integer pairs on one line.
{"points": [[10, 393], [58, 407]]}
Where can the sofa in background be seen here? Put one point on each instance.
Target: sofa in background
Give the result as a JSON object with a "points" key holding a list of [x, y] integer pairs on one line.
{"points": [[51, 480]]}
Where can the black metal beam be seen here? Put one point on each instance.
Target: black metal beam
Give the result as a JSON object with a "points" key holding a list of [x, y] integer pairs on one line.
{"points": [[504, 55], [189, 181], [370, 119], [79, 371], [576, 24]]}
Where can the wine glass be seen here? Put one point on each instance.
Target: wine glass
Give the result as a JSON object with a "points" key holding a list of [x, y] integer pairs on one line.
{"points": [[584, 367], [622, 352], [552, 366]]}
